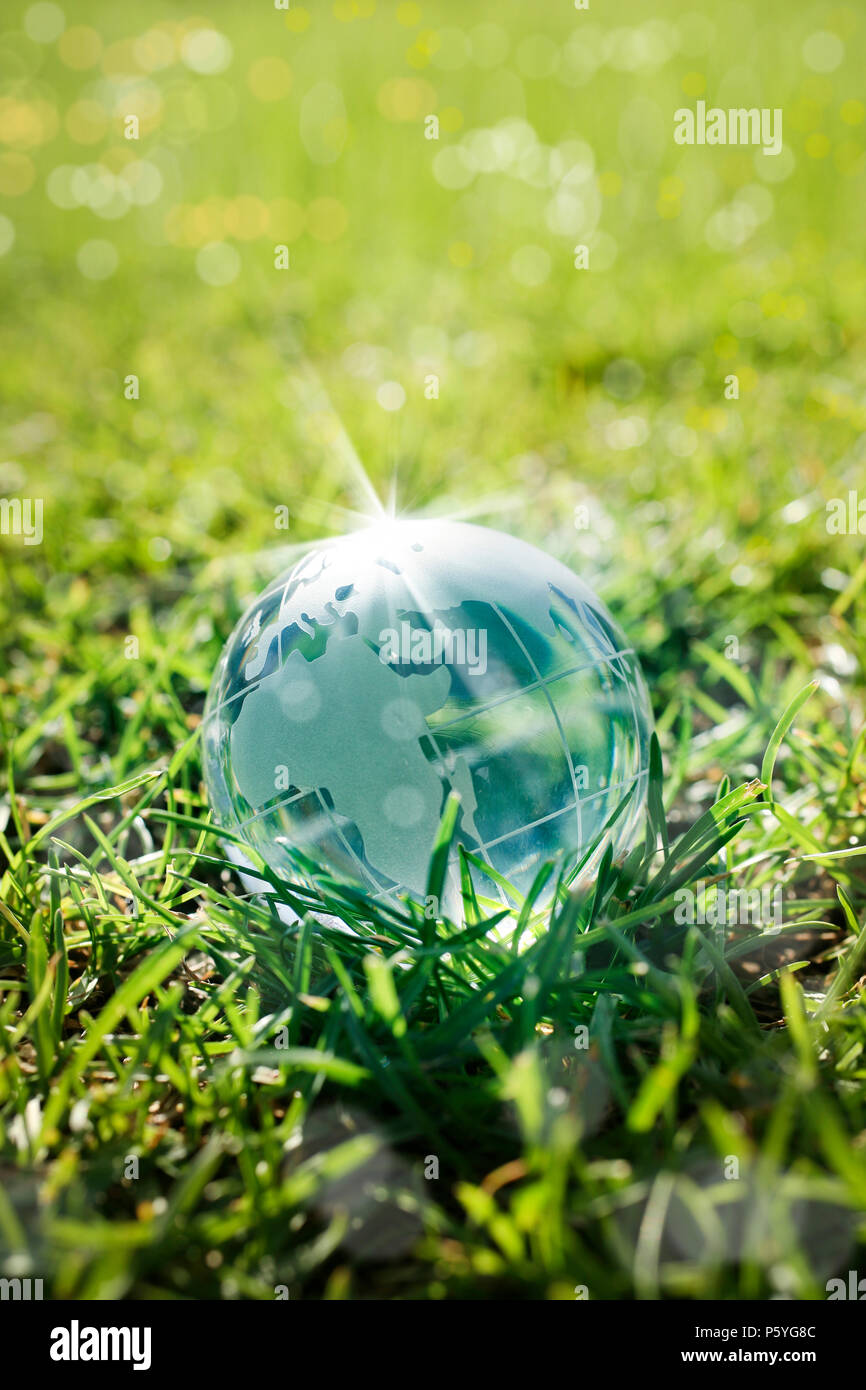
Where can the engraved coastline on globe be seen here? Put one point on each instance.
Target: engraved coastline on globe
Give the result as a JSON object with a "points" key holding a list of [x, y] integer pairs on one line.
{"points": [[411, 659]]}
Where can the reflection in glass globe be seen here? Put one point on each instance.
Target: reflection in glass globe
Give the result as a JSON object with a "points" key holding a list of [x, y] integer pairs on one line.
{"points": [[410, 659]]}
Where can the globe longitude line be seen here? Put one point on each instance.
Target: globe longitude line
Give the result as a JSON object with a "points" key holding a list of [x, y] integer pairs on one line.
{"points": [[233, 699], [592, 620], [635, 722], [629, 684], [276, 806], [608, 659], [603, 660], [423, 606], [547, 695], [481, 849], [586, 801], [366, 870], [317, 793]]}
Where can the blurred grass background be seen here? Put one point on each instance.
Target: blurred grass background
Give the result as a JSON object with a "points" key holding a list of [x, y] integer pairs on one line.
{"points": [[305, 128], [558, 388]]}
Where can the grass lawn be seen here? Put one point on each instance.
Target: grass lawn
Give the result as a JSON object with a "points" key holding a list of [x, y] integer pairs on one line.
{"points": [[230, 310]]}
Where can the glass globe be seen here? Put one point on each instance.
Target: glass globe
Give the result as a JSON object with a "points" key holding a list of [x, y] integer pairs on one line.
{"points": [[394, 665]]}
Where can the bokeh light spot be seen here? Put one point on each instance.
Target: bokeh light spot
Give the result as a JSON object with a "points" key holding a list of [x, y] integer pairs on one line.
{"points": [[391, 396], [26, 123], [406, 98], [823, 51], [460, 254], [97, 259], [298, 20], [270, 79], [159, 548], [246, 217], [694, 84], [530, 265], [43, 23], [817, 146], [155, 50], [217, 263], [206, 51]]}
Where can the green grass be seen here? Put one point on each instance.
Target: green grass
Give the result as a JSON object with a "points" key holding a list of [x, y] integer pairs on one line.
{"points": [[284, 1092]]}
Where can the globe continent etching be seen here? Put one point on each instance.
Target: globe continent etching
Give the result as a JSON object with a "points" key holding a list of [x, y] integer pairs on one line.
{"points": [[319, 738], [297, 718]]}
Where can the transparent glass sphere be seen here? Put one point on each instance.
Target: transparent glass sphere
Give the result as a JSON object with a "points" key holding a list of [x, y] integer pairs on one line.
{"points": [[394, 665]]}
